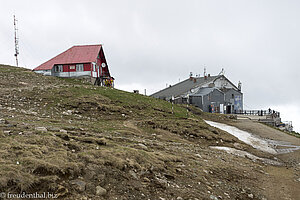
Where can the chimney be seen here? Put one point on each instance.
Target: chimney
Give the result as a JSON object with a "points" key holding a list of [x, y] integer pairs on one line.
{"points": [[240, 86], [208, 75]]}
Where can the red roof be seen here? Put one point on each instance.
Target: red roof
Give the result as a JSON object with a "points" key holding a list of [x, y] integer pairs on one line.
{"points": [[76, 54]]}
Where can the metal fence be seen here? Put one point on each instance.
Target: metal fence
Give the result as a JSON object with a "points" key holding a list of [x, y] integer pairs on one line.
{"points": [[269, 112]]}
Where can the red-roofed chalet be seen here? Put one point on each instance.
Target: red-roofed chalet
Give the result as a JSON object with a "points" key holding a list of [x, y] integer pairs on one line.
{"points": [[79, 61]]}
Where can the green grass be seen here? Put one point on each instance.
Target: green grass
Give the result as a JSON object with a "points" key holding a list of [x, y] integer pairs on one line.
{"points": [[9, 69], [293, 133]]}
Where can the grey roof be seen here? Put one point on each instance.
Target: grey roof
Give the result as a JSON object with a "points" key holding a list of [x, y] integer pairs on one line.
{"points": [[203, 91], [183, 87], [225, 90]]}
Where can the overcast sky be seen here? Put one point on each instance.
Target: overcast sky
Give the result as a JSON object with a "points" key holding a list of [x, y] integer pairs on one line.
{"points": [[149, 43]]}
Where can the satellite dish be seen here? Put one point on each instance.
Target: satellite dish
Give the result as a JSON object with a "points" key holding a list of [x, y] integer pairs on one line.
{"points": [[103, 65]]}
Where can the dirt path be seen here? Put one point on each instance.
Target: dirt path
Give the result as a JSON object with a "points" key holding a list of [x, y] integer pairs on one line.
{"points": [[282, 182], [265, 131]]}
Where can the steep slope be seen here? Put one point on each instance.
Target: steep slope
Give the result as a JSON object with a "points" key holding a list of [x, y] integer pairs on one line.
{"points": [[78, 141]]}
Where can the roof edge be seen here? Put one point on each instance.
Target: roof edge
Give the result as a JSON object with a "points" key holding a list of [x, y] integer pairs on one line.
{"points": [[36, 69], [215, 77]]}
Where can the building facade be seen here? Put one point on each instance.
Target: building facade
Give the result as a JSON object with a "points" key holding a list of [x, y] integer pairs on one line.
{"points": [[85, 61], [210, 93]]}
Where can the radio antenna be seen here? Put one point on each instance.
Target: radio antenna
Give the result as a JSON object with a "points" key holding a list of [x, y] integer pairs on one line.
{"points": [[16, 41]]}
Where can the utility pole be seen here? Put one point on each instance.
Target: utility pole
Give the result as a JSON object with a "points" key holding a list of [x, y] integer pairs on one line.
{"points": [[16, 41], [172, 99]]}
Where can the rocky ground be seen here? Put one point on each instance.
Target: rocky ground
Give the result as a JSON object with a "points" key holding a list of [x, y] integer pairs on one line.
{"points": [[78, 141]]}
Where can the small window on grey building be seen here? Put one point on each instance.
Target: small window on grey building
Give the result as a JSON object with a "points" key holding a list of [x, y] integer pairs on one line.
{"points": [[232, 96], [79, 67]]}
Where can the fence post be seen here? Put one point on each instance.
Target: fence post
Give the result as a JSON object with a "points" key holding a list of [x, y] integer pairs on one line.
{"points": [[187, 106], [172, 104]]}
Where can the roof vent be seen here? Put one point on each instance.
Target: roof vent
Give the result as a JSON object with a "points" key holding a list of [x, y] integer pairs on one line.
{"points": [[211, 85]]}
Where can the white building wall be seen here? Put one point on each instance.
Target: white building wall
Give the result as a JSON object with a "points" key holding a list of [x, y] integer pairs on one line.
{"points": [[44, 72], [72, 74]]}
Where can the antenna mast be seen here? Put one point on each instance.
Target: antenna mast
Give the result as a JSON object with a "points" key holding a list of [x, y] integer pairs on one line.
{"points": [[16, 41], [222, 72]]}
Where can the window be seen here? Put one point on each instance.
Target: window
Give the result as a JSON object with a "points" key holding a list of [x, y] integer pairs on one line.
{"points": [[232, 96], [79, 67], [94, 67], [58, 68]]}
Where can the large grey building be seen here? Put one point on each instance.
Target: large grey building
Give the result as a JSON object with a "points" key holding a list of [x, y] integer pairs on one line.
{"points": [[210, 93]]}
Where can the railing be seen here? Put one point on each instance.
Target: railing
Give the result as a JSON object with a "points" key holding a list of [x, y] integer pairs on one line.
{"points": [[269, 112]]}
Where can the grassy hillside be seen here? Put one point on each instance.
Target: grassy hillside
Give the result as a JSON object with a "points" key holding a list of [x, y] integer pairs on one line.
{"points": [[80, 141]]}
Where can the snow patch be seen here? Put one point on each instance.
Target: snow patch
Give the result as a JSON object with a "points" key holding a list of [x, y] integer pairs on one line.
{"points": [[245, 136], [245, 155]]}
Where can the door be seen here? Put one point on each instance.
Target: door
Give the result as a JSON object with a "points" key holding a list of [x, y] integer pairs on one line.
{"points": [[222, 108], [228, 109]]}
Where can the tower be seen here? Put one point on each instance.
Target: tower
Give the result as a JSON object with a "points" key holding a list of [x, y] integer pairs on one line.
{"points": [[16, 41]]}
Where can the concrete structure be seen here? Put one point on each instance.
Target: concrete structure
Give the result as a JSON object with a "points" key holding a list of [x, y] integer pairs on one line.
{"points": [[85, 61], [210, 93]]}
